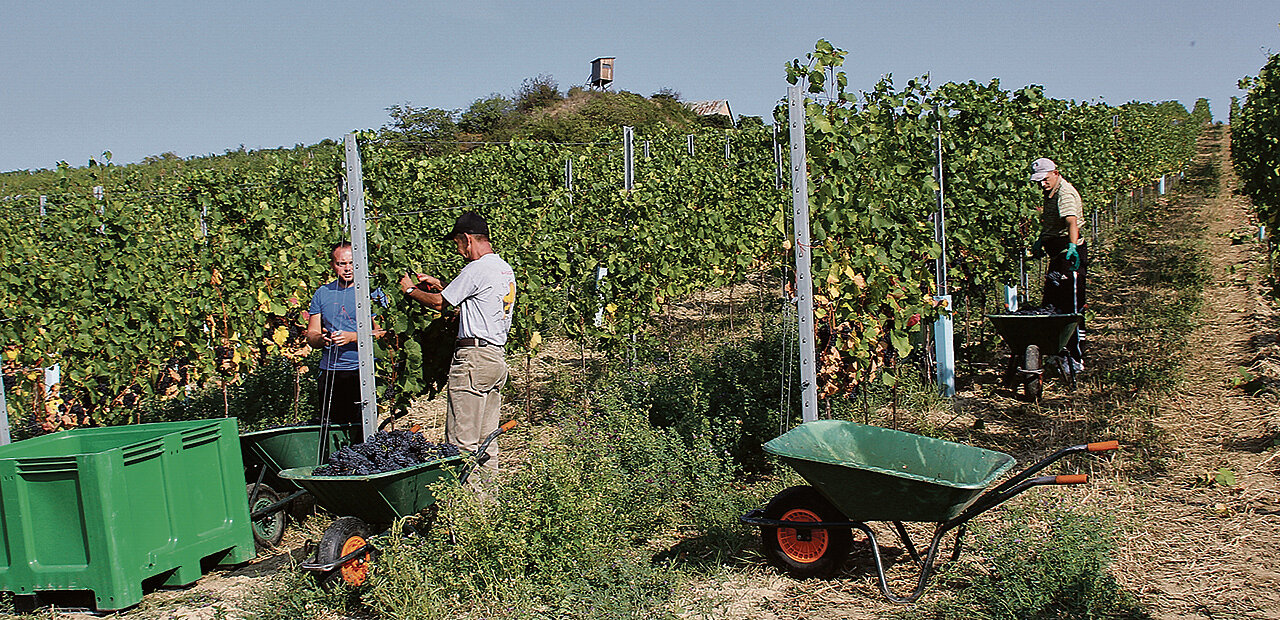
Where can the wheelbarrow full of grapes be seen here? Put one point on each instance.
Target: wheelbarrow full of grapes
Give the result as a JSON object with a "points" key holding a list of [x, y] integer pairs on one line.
{"points": [[858, 474], [369, 504], [1034, 339]]}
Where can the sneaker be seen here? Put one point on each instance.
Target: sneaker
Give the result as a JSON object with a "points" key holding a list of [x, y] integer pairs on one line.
{"points": [[1077, 366]]}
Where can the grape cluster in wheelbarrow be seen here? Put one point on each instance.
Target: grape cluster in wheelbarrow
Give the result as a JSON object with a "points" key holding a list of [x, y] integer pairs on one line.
{"points": [[385, 451], [1037, 310]]}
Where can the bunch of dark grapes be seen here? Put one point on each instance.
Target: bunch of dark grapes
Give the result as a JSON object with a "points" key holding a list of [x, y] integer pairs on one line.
{"points": [[385, 451], [1037, 310]]}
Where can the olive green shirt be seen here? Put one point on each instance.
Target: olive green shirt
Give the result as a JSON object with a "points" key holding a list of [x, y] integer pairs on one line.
{"points": [[1064, 201]]}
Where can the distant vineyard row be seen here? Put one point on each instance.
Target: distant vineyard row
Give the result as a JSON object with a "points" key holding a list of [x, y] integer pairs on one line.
{"points": [[206, 270], [1255, 141]]}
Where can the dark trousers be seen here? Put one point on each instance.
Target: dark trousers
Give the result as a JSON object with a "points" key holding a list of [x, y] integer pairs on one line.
{"points": [[339, 396], [1060, 283]]}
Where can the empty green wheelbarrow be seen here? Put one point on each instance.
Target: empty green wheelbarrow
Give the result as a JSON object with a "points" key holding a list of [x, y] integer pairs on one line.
{"points": [[267, 453], [368, 505], [1031, 337], [859, 473]]}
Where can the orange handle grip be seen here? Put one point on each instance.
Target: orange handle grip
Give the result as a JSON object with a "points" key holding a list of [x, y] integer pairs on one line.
{"points": [[416, 428], [1071, 479], [509, 425], [1103, 446]]}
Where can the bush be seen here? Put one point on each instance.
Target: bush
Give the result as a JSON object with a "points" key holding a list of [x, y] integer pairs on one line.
{"points": [[731, 394], [1040, 560]]}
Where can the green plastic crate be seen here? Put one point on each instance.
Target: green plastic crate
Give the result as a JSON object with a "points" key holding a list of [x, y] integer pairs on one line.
{"points": [[878, 474], [103, 509]]}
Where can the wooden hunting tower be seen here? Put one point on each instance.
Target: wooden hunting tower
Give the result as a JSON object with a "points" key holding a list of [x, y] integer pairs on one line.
{"points": [[601, 72]]}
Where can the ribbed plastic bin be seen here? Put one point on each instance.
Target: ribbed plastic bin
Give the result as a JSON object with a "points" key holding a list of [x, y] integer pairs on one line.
{"points": [[103, 509]]}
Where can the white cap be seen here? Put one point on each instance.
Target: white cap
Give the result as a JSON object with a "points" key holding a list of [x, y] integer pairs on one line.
{"points": [[1041, 168]]}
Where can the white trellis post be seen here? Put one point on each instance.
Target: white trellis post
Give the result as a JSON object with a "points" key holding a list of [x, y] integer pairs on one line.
{"points": [[943, 331], [803, 250], [360, 263]]}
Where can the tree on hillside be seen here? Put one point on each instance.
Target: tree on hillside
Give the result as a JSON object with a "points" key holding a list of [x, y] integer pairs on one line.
{"points": [[666, 92], [537, 92], [422, 130], [495, 118]]}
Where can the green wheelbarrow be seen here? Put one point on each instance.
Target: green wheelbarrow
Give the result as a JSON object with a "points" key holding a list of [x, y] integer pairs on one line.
{"points": [[1032, 337], [368, 505], [269, 452], [859, 473]]}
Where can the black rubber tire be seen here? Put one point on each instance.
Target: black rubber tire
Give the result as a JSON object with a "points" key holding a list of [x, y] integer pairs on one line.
{"points": [[335, 539], [823, 554], [268, 531], [1034, 386]]}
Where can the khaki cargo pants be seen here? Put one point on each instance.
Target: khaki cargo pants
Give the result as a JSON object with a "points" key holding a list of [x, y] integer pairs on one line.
{"points": [[476, 377]]}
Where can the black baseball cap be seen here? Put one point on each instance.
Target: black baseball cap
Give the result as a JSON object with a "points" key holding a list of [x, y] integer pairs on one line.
{"points": [[470, 223]]}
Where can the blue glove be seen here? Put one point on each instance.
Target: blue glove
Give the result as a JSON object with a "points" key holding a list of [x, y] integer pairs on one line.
{"points": [[1037, 249], [1073, 256]]}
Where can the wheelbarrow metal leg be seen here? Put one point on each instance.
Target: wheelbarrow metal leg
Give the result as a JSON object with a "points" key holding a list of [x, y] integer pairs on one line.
{"points": [[906, 541], [926, 567]]}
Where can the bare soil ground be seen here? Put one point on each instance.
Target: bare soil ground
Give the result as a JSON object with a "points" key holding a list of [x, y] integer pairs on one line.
{"points": [[1192, 548], [1197, 550]]}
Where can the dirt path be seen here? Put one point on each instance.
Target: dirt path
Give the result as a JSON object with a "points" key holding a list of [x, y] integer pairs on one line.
{"points": [[1209, 550]]}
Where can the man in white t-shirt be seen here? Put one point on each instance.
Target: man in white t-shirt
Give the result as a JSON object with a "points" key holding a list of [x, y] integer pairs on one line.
{"points": [[484, 294]]}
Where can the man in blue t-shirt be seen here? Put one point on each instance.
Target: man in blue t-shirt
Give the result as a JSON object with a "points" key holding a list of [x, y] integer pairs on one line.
{"points": [[332, 328]]}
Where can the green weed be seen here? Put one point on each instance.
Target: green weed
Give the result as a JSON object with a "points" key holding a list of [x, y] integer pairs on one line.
{"points": [[573, 532], [292, 594], [1039, 560]]}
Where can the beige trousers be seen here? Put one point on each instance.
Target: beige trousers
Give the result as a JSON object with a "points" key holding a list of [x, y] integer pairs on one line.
{"points": [[476, 377]]}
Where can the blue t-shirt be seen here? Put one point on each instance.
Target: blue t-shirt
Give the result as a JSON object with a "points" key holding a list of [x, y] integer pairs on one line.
{"points": [[337, 309]]}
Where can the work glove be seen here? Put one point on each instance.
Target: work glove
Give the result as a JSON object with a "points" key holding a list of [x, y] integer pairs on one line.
{"points": [[1073, 256], [1037, 249]]}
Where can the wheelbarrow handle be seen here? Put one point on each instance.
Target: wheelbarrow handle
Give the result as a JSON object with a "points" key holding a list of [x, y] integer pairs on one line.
{"points": [[484, 445], [1100, 446], [481, 454], [1023, 481]]}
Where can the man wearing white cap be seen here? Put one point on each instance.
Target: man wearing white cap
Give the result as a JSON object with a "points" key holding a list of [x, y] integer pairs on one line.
{"points": [[1061, 218]]}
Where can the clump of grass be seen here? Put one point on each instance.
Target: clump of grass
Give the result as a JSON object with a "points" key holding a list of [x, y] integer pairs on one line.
{"points": [[293, 594], [1039, 560], [567, 534]]}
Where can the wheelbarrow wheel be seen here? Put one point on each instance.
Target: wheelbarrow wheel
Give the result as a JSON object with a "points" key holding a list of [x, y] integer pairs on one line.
{"points": [[1035, 383], [268, 531], [799, 552], [347, 534]]}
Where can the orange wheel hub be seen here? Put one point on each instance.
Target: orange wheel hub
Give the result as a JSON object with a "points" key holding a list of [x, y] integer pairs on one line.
{"points": [[356, 571], [802, 551]]}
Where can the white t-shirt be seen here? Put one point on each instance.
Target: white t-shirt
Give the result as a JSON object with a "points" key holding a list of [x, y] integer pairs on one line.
{"points": [[485, 294]]}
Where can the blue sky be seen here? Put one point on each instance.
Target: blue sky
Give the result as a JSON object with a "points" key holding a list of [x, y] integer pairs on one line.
{"points": [[194, 78]]}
